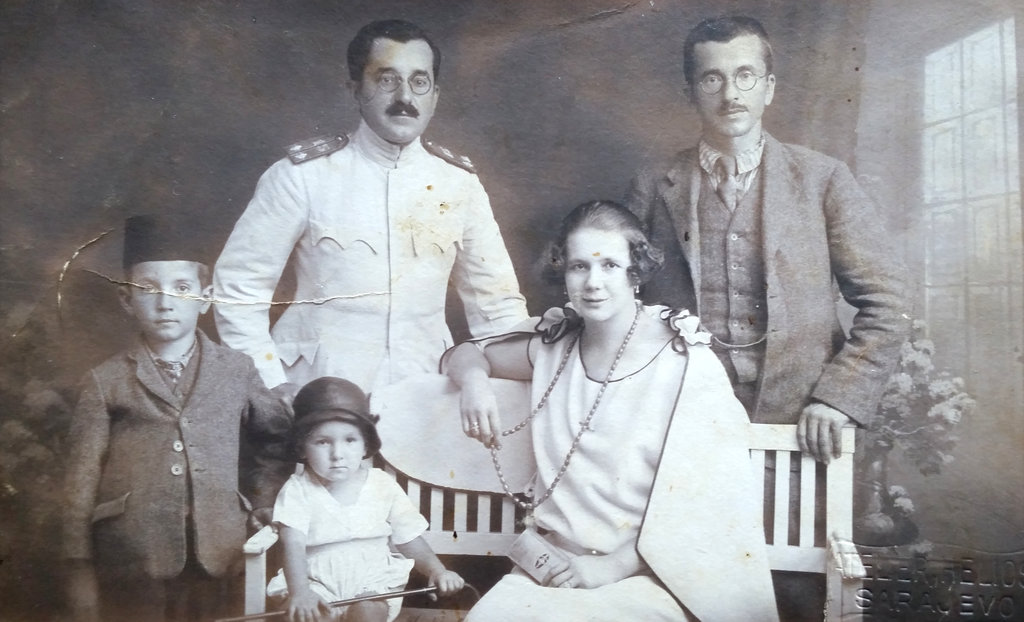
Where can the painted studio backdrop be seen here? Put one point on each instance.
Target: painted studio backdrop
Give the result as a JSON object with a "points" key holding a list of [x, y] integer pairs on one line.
{"points": [[113, 108]]}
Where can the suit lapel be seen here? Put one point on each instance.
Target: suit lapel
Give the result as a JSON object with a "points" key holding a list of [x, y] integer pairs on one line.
{"points": [[780, 198], [210, 374], [681, 191], [150, 378], [781, 214]]}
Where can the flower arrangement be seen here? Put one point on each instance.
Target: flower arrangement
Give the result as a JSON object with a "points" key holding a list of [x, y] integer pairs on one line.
{"points": [[921, 407], [918, 412]]}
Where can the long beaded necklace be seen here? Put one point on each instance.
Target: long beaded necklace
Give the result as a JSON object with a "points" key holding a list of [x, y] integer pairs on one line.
{"points": [[584, 425]]}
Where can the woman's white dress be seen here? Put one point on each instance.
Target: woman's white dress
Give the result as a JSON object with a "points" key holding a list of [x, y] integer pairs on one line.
{"points": [[600, 503]]}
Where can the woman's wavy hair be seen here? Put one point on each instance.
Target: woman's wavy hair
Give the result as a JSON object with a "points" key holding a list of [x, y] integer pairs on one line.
{"points": [[605, 216]]}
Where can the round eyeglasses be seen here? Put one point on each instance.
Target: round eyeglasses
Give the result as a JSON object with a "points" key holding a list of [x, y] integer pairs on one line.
{"points": [[744, 81], [389, 81]]}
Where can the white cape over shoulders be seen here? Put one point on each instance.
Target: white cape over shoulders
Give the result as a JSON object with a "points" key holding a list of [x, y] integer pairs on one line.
{"points": [[703, 533], [421, 434]]}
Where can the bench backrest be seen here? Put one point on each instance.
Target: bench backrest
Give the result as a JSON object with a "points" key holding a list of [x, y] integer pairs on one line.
{"points": [[798, 532], [469, 523]]}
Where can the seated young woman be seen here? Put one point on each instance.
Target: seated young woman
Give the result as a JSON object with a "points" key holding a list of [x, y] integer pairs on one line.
{"points": [[645, 503]]}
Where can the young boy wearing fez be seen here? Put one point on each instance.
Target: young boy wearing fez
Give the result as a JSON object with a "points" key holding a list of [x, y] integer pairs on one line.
{"points": [[172, 445]]}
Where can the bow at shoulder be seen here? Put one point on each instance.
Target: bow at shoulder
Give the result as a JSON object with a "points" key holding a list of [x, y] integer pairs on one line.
{"points": [[557, 322], [687, 328]]}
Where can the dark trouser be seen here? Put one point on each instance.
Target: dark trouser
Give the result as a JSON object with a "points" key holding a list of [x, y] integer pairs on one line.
{"points": [[192, 596], [800, 596]]}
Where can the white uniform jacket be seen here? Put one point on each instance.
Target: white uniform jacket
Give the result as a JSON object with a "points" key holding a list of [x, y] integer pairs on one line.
{"points": [[374, 232]]}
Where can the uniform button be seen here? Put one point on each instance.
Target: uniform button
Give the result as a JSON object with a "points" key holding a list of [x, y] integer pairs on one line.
{"points": [[735, 266], [178, 446], [733, 236], [176, 469]]}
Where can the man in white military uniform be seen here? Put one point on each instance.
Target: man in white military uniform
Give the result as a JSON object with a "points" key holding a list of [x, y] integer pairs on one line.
{"points": [[376, 224]]}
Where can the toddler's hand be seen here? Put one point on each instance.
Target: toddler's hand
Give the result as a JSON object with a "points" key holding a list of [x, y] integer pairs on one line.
{"points": [[447, 582], [307, 607]]}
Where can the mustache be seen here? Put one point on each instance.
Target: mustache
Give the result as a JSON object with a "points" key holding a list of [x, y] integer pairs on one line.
{"points": [[727, 108], [398, 108]]}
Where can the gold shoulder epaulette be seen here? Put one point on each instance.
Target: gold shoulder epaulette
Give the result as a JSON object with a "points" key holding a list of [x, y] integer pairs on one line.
{"points": [[450, 157], [315, 147]]}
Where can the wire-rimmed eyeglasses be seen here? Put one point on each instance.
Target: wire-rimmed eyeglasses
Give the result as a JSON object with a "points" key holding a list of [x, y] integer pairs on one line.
{"points": [[744, 81], [419, 84]]}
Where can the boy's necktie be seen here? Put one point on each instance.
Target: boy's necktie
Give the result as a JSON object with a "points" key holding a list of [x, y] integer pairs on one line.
{"points": [[173, 368]]}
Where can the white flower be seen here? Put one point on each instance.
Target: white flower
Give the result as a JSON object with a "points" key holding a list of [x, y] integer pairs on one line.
{"points": [[904, 505]]}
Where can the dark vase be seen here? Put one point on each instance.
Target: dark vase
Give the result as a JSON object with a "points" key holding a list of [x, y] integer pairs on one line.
{"points": [[879, 524]]}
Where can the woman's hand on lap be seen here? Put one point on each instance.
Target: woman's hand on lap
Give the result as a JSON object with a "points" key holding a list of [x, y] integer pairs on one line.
{"points": [[590, 571]]}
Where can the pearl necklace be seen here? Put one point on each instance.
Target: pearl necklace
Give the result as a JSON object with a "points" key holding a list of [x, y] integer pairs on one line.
{"points": [[584, 425]]}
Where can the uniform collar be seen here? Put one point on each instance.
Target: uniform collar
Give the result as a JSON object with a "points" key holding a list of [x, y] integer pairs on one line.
{"points": [[381, 152]]}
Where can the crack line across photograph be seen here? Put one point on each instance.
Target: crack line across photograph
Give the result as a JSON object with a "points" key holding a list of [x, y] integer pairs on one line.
{"points": [[602, 310]]}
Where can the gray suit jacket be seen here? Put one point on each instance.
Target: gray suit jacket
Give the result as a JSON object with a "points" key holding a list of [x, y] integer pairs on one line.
{"points": [[821, 233], [134, 446]]}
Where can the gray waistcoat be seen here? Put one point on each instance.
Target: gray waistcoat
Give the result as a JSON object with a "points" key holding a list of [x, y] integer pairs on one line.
{"points": [[733, 300]]}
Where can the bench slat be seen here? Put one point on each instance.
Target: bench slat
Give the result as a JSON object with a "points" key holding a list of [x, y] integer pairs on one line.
{"points": [[483, 514], [781, 532], [808, 467], [796, 558], [508, 516], [781, 437], [462, 513], [839, 498], [437, 509], [491, 544]]}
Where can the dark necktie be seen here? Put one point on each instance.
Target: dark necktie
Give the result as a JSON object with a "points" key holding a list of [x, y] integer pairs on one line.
{"points": [[728, 184], [173, 369]]}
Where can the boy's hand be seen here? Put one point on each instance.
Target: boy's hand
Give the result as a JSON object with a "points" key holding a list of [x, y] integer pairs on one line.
{"points": [[260, 518], [307, 606], [447, 582], [286, 392], [83, 592]]}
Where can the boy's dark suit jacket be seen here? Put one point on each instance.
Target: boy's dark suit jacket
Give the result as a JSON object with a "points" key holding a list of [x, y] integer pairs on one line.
{"points": [[134, 446], [819, 231]]}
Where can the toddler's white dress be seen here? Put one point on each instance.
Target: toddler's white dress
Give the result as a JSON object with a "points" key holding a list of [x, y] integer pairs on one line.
{"points": [[347, 549]]}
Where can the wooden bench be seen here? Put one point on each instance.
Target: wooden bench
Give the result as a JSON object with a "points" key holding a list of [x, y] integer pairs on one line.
{"points": [[816, 538], [439, 467]]}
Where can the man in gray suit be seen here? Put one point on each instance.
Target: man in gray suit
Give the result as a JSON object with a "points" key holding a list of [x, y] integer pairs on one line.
{"points": [[758, 234]]}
